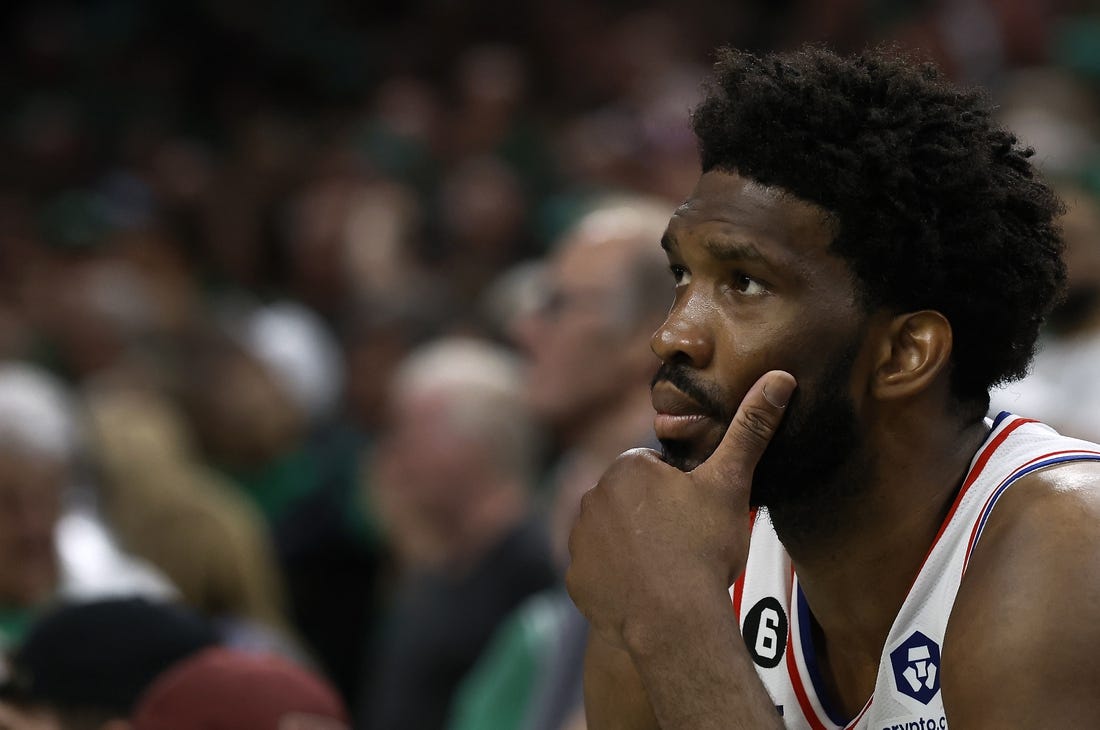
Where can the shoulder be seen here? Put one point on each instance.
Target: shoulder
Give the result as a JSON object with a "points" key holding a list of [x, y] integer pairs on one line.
{"points": [[1023, 641]]}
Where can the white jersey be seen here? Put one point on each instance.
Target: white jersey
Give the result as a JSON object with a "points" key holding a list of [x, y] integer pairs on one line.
{"points": [[775, 620]]}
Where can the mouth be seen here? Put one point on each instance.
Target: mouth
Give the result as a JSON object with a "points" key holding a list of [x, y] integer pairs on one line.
{"points": [[679, 417]]}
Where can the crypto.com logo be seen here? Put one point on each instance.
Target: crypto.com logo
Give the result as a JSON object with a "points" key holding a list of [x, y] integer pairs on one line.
{"points": [[917, 667]]}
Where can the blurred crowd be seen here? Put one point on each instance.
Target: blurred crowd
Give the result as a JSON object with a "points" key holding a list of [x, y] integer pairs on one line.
{"points": [[318, 319]]}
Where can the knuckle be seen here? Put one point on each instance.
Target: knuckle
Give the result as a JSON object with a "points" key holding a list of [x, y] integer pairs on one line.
{"points": [[623, 462], [631, 462], [756, 425], [572, 585], [585, 505]]}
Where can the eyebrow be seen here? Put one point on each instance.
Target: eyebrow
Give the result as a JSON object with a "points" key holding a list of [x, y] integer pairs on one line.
{"points": [[733, 250], [720, 249]]}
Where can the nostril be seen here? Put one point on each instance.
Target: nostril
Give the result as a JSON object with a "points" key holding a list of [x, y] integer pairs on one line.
{"points": [[679, 358]]}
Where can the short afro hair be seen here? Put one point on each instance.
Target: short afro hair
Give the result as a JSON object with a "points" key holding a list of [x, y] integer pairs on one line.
{"points": [[935, 205]]}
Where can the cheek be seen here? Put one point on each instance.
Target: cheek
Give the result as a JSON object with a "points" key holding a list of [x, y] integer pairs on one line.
{"points": [[425, 457], [743, 358]]}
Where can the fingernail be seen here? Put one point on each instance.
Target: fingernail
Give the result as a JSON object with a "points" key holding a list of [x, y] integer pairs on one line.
{"points": [[780, 394]]}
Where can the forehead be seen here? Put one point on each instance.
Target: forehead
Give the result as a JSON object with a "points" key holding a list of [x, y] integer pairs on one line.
{"points": [[784, 228]]}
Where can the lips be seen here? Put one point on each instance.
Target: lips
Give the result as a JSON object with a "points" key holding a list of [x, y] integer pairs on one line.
{"points": [[678, 417]]}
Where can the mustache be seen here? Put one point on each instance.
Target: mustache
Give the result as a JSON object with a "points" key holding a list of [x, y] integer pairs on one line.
{"points": [[679, 377]]}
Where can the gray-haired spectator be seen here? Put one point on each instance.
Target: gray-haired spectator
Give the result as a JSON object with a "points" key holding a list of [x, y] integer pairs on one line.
{"points": [[605, 291], [454, 475], [52, 541]]}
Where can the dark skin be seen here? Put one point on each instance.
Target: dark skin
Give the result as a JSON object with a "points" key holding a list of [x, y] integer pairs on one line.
{"points": [[760, 305]]}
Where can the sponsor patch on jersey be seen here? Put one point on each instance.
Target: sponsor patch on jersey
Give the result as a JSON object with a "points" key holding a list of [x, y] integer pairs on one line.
{"points": [[916, 664], [765, 632]]}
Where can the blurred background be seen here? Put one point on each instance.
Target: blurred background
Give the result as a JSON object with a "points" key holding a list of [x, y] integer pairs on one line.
{"points": [[318, 316]]}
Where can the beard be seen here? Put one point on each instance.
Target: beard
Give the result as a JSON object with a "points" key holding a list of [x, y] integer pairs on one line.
{"points": [[814, 464]]}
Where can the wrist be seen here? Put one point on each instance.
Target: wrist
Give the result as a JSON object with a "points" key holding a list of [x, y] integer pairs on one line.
{"points": [[683, 617]]}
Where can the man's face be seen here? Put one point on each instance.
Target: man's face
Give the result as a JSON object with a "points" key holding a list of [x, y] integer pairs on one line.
{"points": [[426, 462], [581, 343], [30, 505], [756, 290]]}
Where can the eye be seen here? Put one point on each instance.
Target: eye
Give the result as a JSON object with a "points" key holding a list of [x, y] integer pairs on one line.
{"points": [[748, 286], [680, 275]]}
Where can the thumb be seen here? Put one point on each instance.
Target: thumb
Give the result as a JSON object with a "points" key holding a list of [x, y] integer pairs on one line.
{"points": [[749, 432]]}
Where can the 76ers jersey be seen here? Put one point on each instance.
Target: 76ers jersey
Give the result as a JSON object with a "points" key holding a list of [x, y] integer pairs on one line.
{"points": [[776, 623]]}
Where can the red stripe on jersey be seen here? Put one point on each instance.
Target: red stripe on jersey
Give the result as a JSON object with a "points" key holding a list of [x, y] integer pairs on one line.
{"points": [[799, 690], [983, 459], [996, 494]]}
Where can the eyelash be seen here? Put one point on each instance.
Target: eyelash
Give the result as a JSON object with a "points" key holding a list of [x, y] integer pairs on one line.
{"points": [[739, 277]]}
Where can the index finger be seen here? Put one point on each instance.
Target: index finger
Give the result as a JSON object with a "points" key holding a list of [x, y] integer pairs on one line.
{"points": [[750, 431]]}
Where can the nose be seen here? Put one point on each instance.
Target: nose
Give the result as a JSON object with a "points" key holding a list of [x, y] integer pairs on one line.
{"points": [[683, 339]]}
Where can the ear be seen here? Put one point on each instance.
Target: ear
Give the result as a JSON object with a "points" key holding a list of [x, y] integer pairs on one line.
{"points": [[915, 351]]}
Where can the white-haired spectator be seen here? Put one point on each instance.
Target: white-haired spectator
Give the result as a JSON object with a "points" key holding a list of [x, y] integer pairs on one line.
{"points": [[297, 347], [453, 479], [52, 543]]}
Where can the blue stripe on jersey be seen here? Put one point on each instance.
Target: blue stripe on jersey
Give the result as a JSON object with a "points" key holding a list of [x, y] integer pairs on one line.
{"points": [[806, 639], [1023, 472], [1000, 417]]}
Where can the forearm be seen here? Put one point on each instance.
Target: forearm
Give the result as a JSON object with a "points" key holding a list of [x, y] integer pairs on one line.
{"points": [[698, 674]]}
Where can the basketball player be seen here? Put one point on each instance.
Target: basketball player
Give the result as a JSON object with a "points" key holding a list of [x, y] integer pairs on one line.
{"points": [[864, 255]]}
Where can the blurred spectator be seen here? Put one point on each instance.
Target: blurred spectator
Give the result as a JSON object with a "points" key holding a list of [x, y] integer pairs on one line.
{"points": [[247, 422], [376, 336], [52, 542], [607, 288], [604, 293], [454, 473], [329, 556], [220, 689], [84, 665], [484, 213], [176, 512], [92, 311], [350, 237], [261, 398]]}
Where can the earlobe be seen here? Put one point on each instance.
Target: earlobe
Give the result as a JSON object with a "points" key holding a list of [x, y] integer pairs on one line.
{"points": [[915, 353]]}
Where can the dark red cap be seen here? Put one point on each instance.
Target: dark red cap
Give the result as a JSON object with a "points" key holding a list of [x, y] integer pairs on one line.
{"points": [[225, 689]]}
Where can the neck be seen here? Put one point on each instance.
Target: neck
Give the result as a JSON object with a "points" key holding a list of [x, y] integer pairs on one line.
{"points": [[880, 537]]}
